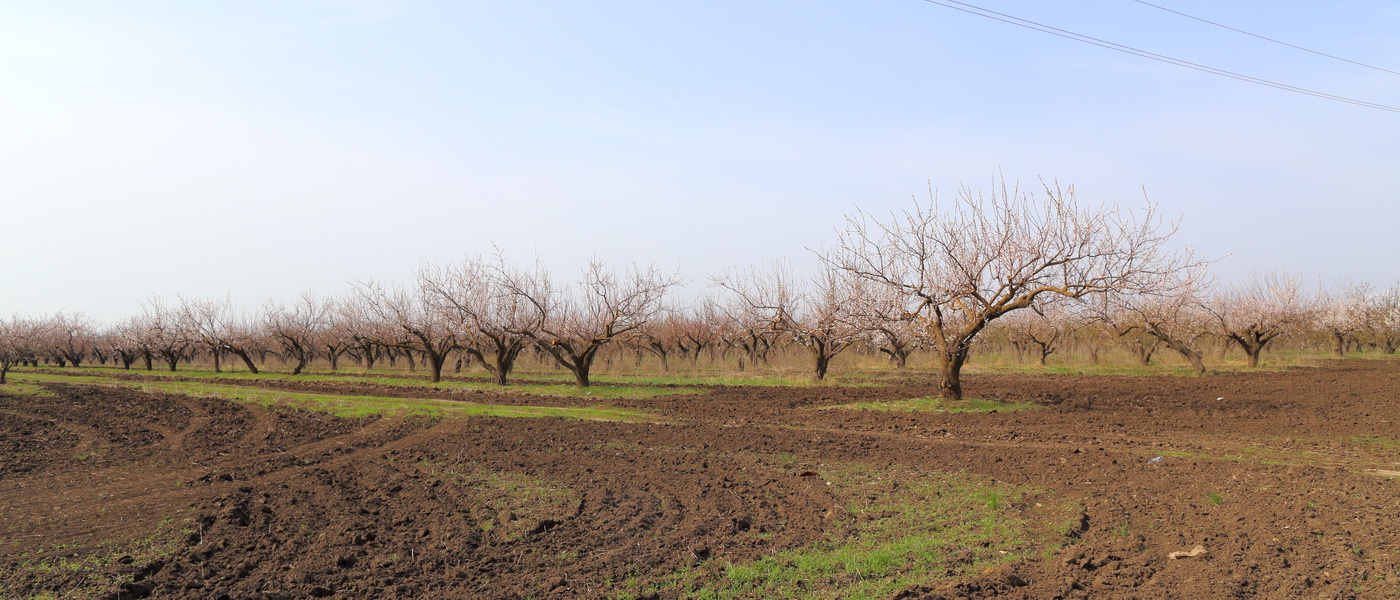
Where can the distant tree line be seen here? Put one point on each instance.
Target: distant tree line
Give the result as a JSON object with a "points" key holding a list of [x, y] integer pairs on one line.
{"points": [[1032, 272]]}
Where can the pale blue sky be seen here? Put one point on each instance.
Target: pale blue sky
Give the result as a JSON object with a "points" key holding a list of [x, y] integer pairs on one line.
{"points": [[263, 148]]}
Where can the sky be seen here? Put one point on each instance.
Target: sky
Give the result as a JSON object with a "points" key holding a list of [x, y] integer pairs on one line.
{"points": [[259, 149]]}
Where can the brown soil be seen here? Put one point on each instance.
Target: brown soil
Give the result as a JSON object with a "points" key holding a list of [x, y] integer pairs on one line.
{"points": [[1280, 477]]}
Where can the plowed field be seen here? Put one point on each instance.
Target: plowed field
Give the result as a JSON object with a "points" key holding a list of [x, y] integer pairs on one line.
{"points": [[1279, 485]]}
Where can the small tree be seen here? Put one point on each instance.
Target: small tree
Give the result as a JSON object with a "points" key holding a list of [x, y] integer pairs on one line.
{"points": [[604, 307], [17, 341], [298, 328], [957, 268], [493, 323], [1043, 329], [1171, 313], [821, 316], [1382, 324], [164, 333], [407, 320], [71, 338], [1344, 314], [215, 324], [1261, 310]]}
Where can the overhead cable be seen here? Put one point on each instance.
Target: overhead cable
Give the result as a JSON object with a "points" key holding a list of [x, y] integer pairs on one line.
{"points": [[1268, 39], [1093, 41]]}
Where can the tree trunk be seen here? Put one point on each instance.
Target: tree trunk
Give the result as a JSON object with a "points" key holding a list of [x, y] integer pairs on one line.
{"points": [[823, 362], [1338, 344], [950, 364], [247, 360], [1044, 351], [1190, 355], [218, 368], [435, 362]]}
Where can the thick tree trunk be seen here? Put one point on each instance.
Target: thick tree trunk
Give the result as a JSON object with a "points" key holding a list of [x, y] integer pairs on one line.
{"points": [[581, 374], [950, 364], [1191, 356], [435, 363]]}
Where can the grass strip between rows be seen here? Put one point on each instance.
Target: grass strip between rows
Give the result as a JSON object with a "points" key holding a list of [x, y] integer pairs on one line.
{"points": [[344, 405]]}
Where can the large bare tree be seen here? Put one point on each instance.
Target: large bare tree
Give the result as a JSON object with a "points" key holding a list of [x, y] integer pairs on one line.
{"points": [[960, 265]]}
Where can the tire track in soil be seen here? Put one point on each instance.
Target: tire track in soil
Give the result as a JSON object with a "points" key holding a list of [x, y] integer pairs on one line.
{"points": [[1281, 531]]}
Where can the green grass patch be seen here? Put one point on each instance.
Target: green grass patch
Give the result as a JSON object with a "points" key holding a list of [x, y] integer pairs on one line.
{"points": [[355, 406], [1383, 443], [509, 506], [24, 388], [894, 529], [605, 391], [75, 571], [931, 404]]}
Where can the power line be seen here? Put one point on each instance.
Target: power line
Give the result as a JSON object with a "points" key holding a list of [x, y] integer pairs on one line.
{"points": [[1093, 41], [1267, 39]]}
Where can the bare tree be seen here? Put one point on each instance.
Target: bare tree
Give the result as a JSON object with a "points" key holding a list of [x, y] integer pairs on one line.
{"points": [[1262, 309], [70, 338], [298, 328], [821, 315], [699, 327], [748, 329], [1171, 313], [216, 326], [18, 337], [881, 314], [1043, 329], [336, 337], [604, 307], [663, 337], [407, 320], [1344, 314], [163, 332], [479, 300], [960, 267]]}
